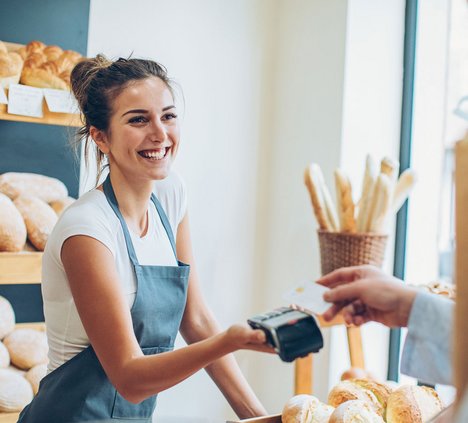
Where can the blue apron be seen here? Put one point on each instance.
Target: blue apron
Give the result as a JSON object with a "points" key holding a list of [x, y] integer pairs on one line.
{"points": [[79, 390]]}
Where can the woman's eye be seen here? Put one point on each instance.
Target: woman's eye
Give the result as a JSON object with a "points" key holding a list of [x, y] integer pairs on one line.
{"points": [[138, 119], [169, 116]]}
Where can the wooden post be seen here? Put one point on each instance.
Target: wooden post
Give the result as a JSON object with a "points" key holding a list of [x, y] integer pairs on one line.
{"points": [[303, 375], [356, 353], [461, 266]]}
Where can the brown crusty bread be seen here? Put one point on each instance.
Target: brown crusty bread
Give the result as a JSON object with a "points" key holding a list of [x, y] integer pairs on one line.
{"points": [[44, 187], [413, 404], [39, 218], [12, 227]]}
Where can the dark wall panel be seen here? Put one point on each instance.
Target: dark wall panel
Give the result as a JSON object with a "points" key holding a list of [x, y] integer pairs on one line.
{"points": [[27, 147]]}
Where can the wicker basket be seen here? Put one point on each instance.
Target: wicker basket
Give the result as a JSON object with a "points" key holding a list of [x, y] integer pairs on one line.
{"points": [[341, 250]]}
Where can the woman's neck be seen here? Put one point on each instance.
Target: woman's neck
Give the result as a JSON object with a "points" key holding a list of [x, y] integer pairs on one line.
{"points": [[133, 199]]}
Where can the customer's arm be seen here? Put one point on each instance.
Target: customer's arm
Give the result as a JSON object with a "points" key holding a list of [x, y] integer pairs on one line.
{"points": [[427, 351]]}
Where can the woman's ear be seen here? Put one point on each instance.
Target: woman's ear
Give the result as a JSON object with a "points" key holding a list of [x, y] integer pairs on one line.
{"points": [[100, 138]]}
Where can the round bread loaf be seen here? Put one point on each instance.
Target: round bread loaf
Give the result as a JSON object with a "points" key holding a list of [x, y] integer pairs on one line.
{"points": [[355, 411], [15, 391], [356, 373], [46, 188], [348, 390], [60, 205], [27, 348], [12, 227], [7, 317], [35, 375], [413, 404], [39, 218], [4, 356], [305, 409]]}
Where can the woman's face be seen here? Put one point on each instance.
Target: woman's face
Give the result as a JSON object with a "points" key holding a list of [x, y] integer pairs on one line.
{"points": [[143, 136]]}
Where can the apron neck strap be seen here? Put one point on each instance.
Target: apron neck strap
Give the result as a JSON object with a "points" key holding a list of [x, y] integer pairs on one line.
{"points": [[112, 200]]}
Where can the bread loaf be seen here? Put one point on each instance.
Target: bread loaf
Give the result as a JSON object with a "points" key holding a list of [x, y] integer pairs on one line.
{"points": [[316, 198], [12, 227], [305, 409], [46, 188], [39, 218], [403, 187], [413, 404], [355, 411], [52, 52], [10, 68], [3, 47], [348, 390], [27, 348], [7, 317], [367, 189], [4, 356], [60, 205], [41, 78], [35, 46], [15, 391], [35, 375]]}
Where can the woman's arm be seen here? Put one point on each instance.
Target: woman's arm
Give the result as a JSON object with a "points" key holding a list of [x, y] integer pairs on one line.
{"points": [[106, 317], [198, 323]]}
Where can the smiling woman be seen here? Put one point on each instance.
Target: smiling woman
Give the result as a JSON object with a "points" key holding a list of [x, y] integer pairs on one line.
{"points": [[116, 282]]}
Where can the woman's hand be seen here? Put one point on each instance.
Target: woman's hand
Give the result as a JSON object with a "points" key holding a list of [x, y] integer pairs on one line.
{"points": [[366, 293], [244, 338]]}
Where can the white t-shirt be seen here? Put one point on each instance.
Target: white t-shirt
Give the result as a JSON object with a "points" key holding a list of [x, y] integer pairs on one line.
{"points": [[92, 215]]}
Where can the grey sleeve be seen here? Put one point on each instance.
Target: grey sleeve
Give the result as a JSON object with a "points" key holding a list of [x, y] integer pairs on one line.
{"points": [[428, 347]]}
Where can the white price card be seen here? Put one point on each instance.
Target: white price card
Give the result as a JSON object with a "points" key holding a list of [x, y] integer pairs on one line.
{"points": [[25, 101], [60, 101], [3, 97], [308, 296]]}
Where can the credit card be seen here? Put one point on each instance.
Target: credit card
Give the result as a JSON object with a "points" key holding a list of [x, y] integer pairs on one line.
{"points": [[309, 296]]}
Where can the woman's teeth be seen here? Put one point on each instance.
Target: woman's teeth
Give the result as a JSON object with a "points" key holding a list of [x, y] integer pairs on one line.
{"points": [[154, 154]]}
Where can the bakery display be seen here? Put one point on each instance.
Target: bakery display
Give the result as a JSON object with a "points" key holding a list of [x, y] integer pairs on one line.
{"points": [[306, 409], [380, 197]]}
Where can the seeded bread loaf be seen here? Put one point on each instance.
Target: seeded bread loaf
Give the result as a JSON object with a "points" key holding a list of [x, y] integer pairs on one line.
{"points": [[14, 184], [12, 227], [413, 404], [39, 218], [35, 375], [7, 317], [27, 348], [15, 391]]}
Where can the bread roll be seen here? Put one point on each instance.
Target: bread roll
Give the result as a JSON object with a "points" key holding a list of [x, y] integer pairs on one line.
{"points": [[15, 391], [7, 317], [380, 390], [35, 375], [4, 356], [72, 55], [347, 390], [46, 188], [60, 205], [34, 60], [27, 348], [413, 404], [355, 411], [12, 227], [39, 218], [14, 369], [305, 409], [344, 202]]}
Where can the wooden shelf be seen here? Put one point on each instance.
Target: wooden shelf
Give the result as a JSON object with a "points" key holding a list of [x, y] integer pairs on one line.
{"points": [[49, 118], [20, 268]]}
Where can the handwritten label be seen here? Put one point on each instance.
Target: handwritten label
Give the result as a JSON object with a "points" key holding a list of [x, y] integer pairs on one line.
{"points": [[3, 97], [25, 101], [60, 101]]}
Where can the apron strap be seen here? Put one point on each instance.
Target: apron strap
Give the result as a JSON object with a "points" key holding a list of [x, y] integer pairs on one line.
{"points": [[112, 200]]}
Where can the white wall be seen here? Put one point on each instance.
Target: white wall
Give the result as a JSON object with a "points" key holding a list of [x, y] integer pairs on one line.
{"points": [[267, 91]]}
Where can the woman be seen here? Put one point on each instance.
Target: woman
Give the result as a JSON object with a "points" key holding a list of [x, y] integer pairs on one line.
{"points": [[115, 293]]}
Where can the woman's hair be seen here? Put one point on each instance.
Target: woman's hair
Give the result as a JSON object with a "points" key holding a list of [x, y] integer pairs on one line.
{"points": [[96, 82]]}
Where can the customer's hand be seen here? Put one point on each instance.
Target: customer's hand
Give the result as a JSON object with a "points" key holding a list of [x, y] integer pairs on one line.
{"points": [[246, 338], [366, 293]]}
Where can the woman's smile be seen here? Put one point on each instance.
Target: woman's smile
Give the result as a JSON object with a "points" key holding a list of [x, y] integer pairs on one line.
{"points": [[155, 154]]}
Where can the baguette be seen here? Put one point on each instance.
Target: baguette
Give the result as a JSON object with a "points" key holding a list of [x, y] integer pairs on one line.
{"points": [[389, 167], [345, 204], [380, 204], [329, 206], [367, 188], [403, 187], [317, 200]]}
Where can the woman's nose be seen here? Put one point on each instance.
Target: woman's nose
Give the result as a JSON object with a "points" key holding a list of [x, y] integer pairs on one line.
{"points": [[158, 131]]}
